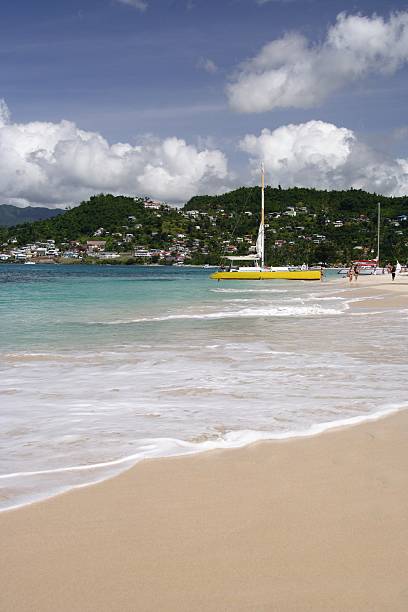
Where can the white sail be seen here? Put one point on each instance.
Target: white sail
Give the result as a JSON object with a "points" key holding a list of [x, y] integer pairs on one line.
{"points": [[260, 241]]}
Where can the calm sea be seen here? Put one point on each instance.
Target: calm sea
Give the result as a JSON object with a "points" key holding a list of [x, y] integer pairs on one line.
{"points": [[103, 366]]}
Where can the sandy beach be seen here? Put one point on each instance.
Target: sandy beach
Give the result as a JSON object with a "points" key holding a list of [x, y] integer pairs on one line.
{"points": [[318, 523], [379, 291], [204, 306]]}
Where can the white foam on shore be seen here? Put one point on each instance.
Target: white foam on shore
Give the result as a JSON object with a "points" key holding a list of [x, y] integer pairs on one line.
{"points": [[157, 448], [273, 311], [267, 364], [233, 290], [370, 313]]}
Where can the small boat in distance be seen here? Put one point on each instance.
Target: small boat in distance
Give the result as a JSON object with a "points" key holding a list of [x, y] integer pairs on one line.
{"points": [[258, 270]]}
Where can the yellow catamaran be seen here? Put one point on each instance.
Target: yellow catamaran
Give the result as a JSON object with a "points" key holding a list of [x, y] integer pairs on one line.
{"points": [[254, 267]]}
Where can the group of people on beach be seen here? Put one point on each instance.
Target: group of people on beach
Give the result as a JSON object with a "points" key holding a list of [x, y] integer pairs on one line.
{"points": [[354, 271]]}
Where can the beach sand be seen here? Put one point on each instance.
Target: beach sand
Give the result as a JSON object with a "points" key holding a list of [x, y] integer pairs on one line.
{"points": [[318, 523], [379, 291]]}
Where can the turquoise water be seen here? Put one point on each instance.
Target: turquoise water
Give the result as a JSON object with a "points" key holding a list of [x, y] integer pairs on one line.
{"points": [[103, 366], [60, 306]]}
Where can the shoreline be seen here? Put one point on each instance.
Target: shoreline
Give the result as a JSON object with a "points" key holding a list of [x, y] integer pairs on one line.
{"points": [[370, 291], [257, 437], [378, 292], [317, 523]]}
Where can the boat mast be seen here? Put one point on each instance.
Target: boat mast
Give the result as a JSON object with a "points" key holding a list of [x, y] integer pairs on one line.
{"points": [[378, 233], [263, 213]]}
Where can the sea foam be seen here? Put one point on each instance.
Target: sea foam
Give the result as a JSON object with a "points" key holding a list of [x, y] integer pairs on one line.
{"points": [[139, 372]]}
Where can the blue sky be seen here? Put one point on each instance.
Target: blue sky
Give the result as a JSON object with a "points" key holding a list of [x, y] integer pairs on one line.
{"points": [[130, 74]]}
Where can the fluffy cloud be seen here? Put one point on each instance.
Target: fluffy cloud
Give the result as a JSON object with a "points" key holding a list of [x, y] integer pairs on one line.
{"points": [[58, 163], [141, 5], [322, 155], [293, 72]]}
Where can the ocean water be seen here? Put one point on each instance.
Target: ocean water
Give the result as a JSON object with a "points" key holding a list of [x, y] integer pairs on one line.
{"points": [[103, 366]]}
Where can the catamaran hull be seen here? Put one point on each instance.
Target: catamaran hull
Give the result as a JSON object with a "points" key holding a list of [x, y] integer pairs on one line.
{"points": [[264, 275]]}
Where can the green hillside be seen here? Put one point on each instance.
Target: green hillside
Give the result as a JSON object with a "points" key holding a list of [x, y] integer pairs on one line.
{"points": [[343, 203], [302, 225], [115, 215], [12, 215], [312, 235]]}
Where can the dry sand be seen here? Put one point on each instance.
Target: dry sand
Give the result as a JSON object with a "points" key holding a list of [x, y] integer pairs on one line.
{"points": [[310, 524]]}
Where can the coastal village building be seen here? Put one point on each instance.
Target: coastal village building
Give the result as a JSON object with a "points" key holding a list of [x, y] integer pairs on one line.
{"points": [[107, 255], [95, 246], [142, 253]]}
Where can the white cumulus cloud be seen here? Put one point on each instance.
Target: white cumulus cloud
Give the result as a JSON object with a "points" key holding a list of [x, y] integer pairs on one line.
{"points": [[293, 72], [322, 155], [58, 163]]}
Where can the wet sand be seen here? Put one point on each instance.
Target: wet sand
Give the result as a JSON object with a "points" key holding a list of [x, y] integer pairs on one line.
{"points": [[379, 292], [318, 524]]}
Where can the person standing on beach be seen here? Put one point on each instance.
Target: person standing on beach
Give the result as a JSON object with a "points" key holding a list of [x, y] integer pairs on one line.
{"points": [[321, 273], [393, 269], [350, 274], [356, 272]]}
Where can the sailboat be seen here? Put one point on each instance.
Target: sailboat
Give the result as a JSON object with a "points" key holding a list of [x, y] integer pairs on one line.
{"points": [[254, 267]]}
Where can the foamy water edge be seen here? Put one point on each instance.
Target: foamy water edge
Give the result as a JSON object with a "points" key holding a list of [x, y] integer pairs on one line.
{"points": [[155, 449]]}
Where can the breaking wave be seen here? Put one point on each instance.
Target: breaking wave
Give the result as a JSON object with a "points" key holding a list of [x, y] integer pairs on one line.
{"points": [[273, 311]]}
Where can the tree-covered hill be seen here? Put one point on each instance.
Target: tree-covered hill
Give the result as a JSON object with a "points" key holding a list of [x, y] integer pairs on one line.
{"points": [[12, 215], [328, 226], [302, 225], [113, 214], [345, 204], [84, 219]]}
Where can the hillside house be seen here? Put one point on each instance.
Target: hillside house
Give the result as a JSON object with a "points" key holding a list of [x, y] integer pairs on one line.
{"points": [[95, 246], [152, 204]]}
